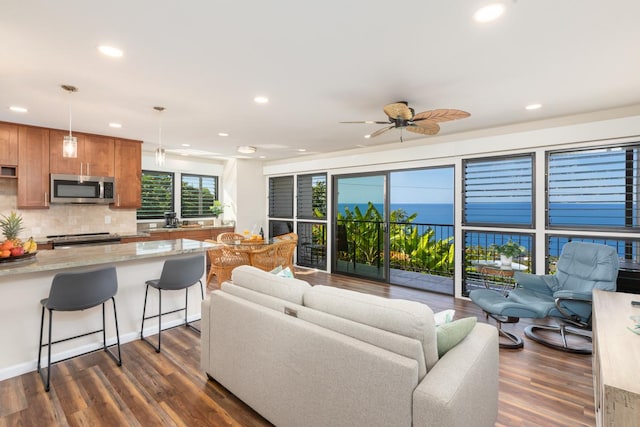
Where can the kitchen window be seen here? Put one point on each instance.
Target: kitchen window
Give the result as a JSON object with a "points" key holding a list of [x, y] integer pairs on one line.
{"points": [[197, 195], [157, 195]]}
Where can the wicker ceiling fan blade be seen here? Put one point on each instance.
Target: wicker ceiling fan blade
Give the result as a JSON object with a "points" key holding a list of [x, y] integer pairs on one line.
{"points": [[398, 110], [432, 128], [381, 131], [427, 124], [441, 115], [369, 122]]}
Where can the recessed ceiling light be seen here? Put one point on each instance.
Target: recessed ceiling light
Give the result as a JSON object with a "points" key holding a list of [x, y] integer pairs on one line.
{"points": [[246, 149], [223, 134], [186, 145], [262, 157], [367, 136], [533, 106], [302, 150], [489, 12], [261, 99], [111, 51], [115, 125], [17, 109]]}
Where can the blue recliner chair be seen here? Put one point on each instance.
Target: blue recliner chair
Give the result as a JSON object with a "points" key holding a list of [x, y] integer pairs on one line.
{"points": [[567, 295]]}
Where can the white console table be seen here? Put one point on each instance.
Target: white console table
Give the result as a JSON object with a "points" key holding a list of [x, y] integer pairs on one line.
{"points": [[616, 360]]}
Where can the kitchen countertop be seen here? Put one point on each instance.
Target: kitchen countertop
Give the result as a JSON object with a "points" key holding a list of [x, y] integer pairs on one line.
{"points": [[194, 227], [106, 254]]}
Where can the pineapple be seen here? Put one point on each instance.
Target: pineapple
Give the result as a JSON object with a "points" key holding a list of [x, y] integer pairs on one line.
{"points": [[11, 225]]}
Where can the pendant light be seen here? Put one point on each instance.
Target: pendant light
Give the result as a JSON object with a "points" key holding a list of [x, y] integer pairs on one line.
{"points": [[70, 142], [160, 153]]}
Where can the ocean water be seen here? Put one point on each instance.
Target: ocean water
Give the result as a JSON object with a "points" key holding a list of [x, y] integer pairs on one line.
{"points": [[489, 214], [611, 214]]}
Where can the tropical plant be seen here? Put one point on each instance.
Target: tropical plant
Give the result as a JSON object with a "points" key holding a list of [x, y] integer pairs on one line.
{"points": [[217, 208], [408, 248], [509, 249]]}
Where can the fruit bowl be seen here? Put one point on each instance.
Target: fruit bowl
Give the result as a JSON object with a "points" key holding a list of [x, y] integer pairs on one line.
{"points": [[18, 257]]}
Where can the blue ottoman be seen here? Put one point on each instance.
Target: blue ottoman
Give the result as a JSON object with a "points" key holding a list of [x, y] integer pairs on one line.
{"points": [[502, 310]]}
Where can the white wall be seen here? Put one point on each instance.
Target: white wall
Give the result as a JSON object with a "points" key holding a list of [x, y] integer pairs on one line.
{"points": [[247, 184]]}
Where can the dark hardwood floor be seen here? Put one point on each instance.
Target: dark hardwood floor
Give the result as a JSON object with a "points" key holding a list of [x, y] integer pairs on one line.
{"points": [[538, 386]]}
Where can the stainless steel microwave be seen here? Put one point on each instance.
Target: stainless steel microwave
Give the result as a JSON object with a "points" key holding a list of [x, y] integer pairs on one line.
{"points": [[82, 189]]}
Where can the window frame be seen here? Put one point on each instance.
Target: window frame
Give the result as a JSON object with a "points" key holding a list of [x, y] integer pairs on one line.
{"points": [[532, 193], [631, 181], [203, 210], [171, 189]]}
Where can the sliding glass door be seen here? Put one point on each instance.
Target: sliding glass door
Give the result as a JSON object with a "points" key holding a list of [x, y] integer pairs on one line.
{"points": [[396, 227], [360, 222]]}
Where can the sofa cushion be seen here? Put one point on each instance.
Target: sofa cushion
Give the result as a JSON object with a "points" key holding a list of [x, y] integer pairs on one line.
{"points": [[451, 333], [289, 289], [408, 318]]}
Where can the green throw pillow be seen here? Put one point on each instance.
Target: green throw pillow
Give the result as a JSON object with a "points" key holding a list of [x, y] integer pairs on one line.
{"points": [[450, 334]]}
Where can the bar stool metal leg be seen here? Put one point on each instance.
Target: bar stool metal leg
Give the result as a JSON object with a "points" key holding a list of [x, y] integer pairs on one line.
{"points": [[159, 316]]}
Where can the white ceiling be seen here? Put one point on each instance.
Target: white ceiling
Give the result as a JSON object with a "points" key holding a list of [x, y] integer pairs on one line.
{"points": [[319, 63]]}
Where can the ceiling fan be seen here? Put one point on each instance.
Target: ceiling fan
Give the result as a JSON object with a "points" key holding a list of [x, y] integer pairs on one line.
{"points": [[401, 116]]}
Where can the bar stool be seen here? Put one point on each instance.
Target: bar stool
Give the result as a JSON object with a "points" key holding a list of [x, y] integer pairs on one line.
{"points": [[177, 274], [75, 292]]}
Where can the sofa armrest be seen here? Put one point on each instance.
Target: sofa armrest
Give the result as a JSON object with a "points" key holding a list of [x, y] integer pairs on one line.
{"points": [[462, 388]]}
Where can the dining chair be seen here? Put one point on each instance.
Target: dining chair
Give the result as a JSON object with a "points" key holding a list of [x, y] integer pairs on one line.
{"points": [[224, 259], [77, 291], [177, 274], [274, 255], [286, 236], [228, 237]]}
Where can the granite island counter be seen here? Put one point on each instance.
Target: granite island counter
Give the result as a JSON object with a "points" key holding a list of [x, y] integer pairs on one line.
{"points": [[24, 283]]}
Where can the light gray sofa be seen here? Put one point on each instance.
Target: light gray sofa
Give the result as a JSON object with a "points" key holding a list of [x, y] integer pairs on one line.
{"points": [[323, 356]]}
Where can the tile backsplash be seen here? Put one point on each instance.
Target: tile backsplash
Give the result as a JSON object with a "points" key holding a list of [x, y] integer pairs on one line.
{"points": [[66, 219]]}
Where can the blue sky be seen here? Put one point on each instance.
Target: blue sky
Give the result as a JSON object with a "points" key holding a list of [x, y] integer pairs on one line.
{"points": [[413, 186]]}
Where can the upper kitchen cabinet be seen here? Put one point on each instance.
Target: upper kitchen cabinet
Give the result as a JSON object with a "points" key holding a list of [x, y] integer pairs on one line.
{"points": [[8, 150], [33, 170], [128, 174], [95, 155]]}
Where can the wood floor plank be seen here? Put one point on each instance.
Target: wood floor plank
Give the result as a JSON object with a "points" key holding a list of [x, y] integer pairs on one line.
{"points": [[539, 386]]}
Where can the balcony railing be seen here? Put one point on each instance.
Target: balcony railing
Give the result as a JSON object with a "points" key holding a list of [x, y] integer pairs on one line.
{"points": [[418, 247]]}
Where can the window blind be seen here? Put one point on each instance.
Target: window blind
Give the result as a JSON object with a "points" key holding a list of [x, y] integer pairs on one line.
{"points": [[157, 195], [197, 195], [499, 191], [312, 196], [281, 197], [593, 188]]}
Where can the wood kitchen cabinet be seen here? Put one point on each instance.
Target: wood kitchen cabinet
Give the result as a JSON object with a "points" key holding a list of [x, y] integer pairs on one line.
{"points": [[8, 145], [196, 233], [128, 174], [33, 170], [95, 155]]}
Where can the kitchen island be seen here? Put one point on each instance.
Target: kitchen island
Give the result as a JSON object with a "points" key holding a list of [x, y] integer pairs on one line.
{"points": [[24, 283]]}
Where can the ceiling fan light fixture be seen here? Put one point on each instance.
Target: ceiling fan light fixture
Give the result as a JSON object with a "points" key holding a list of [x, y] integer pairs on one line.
{"points": [[489, 13], [246, 149]]}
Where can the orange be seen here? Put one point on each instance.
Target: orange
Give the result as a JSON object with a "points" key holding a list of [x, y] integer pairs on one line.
{"points": [[7, 245], [5, 253]]}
